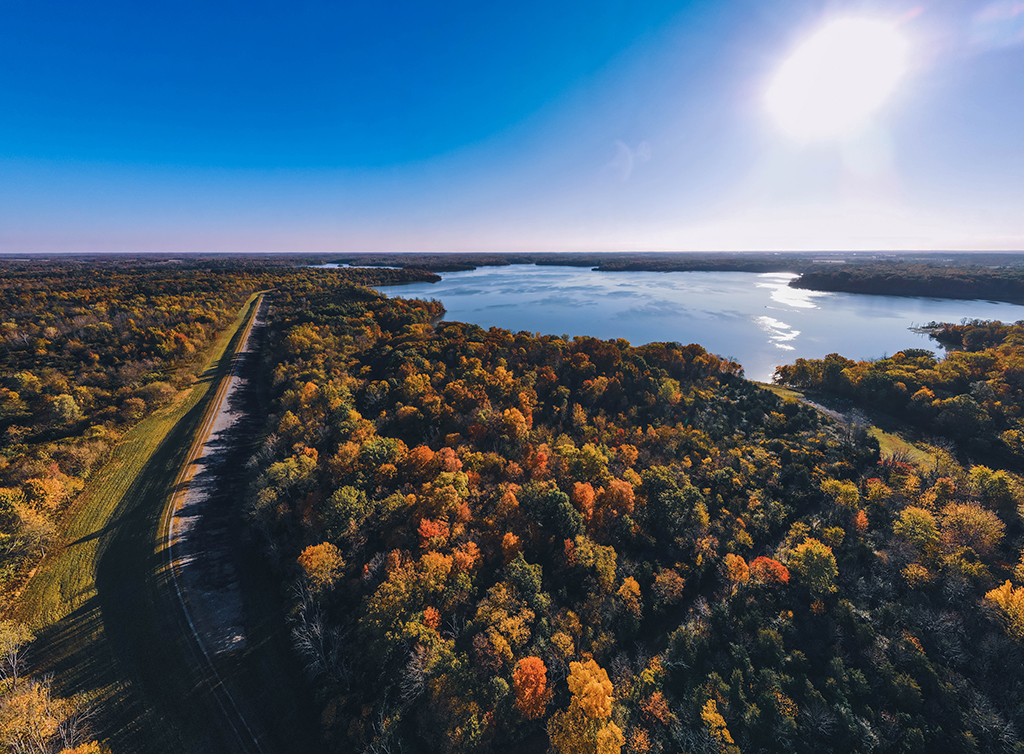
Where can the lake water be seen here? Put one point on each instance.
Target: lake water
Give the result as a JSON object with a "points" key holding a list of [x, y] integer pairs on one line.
{"points": [[754, 319]]}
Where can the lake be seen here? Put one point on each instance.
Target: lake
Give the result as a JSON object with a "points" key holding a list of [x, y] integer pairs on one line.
{"points": [[754, 319]]}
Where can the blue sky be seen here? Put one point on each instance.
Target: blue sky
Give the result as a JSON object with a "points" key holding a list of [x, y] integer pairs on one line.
{"points": [[480, 126]]}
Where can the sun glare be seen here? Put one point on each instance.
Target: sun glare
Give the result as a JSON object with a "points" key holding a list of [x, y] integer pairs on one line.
{"points": [[837, 79]]}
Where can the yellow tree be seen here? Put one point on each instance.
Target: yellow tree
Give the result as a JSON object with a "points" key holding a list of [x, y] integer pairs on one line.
{"points": [[1011, 604], [13, 639], [629, 593], [919, 527], [322, 565], [970, 525], [33, 720], [845, 494], [816, 566], [585, 727], [736, 568], [717, 728]]}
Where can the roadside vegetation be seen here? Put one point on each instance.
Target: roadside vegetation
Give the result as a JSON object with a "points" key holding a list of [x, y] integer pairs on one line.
{"points": [[63, 598], [84, 493]]}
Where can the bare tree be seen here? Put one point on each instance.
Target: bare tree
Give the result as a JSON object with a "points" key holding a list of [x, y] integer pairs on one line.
{"points": [[319, 644], [14, 640], [415, 673]]}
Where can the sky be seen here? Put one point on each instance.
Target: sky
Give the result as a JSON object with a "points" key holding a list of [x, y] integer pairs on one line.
{"points": [[373, 125]]}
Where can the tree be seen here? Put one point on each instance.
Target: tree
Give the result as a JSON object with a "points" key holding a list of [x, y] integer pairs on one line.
{"points": [[13, 639], [526, 577], [919, 527], [322, 565], [553, 509], [962, 418], [46, 494], [668, 588], [591, 689], [970, 525], [92, 747], [64, 410], [736, 568], [505, 618], [1010, 601], [530, 682], [816, 565], [33, 720], [717, 728], [433, 533], [347, 507], [615, 501], [583, 499], [30, 719], [629, 593], [418, 463], [514, 426], [844, 493], [600, 559], [585, 727], [768, 571]]}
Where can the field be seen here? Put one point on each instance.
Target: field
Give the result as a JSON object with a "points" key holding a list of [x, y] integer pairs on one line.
{"points": [[103, 610], [889, 443]]}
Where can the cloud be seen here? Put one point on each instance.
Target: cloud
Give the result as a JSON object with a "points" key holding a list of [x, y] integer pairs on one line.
{"points": [[626, 158], [998, 24]]}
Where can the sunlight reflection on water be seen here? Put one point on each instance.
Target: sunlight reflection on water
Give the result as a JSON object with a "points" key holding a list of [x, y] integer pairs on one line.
{"points": [[778, 284], [757, 320], [779, 332]]}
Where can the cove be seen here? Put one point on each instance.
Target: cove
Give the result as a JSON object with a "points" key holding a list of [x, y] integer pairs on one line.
{"points": [[754, 319]]}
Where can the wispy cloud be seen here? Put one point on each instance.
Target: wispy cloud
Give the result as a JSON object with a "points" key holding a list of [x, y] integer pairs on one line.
{"points": [[626, 158], [998, 24]]}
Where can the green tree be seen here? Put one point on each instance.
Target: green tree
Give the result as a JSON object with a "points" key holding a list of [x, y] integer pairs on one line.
{"points": [[64, 410], [919, 527]]}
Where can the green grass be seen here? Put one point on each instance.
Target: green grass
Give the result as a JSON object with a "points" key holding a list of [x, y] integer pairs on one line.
{"points": [[783, 392], [108, 622], [65, 581], [889, 443]]}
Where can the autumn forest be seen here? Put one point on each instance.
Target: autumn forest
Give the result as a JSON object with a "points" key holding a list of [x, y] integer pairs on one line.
{"points": [[495, 541]]}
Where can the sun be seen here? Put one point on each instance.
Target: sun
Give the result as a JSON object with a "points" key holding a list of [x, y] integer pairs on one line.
{"points": [[833, 83]]}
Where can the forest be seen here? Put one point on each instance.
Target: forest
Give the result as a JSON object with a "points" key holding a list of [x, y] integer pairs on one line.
{"points": [[972, 396], [87, 350], [503, 541], [1002, 281], [498, 541]]}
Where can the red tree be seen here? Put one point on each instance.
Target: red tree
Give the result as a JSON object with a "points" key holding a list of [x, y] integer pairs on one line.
{"points": [[531, 684], [769, 571]]}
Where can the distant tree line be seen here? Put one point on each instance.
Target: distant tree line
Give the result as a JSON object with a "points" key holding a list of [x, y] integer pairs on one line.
{"points": [[963, 281]]}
